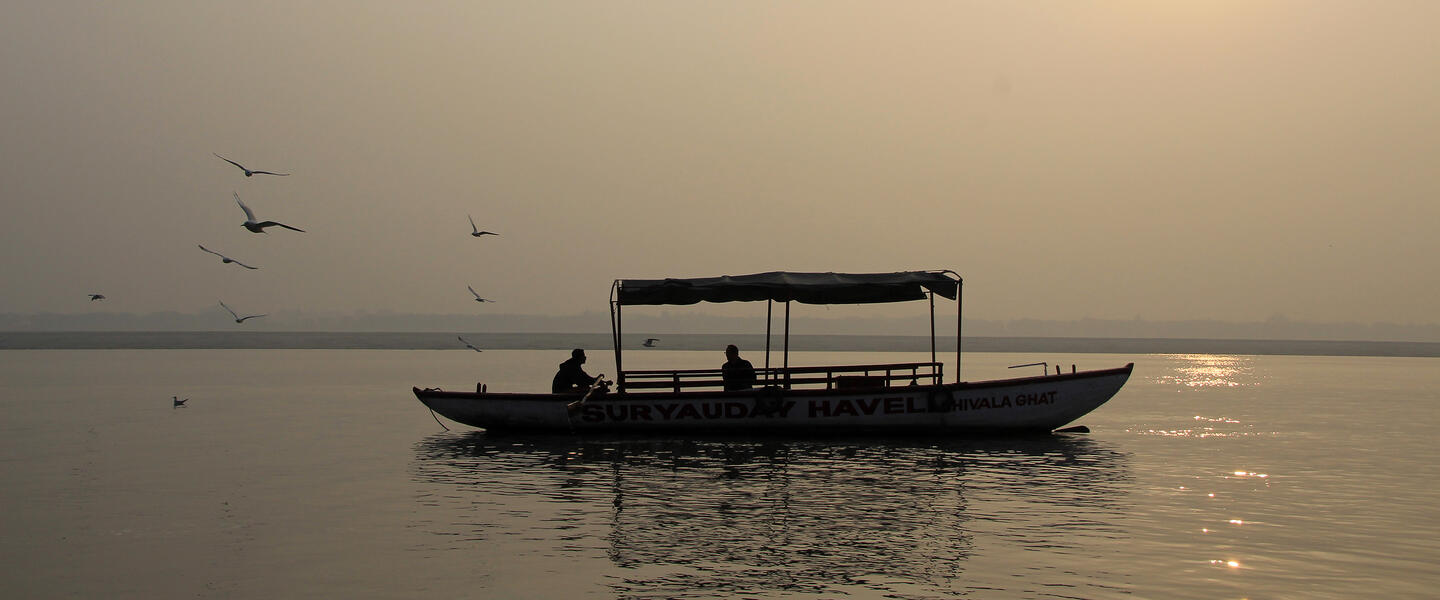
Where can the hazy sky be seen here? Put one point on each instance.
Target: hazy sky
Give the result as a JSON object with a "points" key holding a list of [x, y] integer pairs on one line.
{"points": [[1168, 160]]}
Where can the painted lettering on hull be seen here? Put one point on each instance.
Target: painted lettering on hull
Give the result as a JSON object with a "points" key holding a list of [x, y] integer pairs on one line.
{"points": [[1003, 401], [946, 403], [855, 407], [598, 412], [815, 408]]}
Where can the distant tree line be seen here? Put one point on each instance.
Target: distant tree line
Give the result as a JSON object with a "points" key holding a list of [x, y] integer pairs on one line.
{"points": [[1277, 328]]}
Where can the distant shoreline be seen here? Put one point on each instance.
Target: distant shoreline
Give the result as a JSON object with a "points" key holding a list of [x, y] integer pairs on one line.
{"points": [[318, 340]]}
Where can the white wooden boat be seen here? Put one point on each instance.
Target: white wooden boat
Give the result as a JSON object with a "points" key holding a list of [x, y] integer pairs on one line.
{"points": [[880, 399]]}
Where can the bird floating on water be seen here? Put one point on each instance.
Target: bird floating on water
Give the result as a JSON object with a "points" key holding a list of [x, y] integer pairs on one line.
{"points": [[476, 230], [650, 342], [94, 297], [178, 402], [238, 318], [258, 227], [468, 344], [477, 295], [248, 172], [225, 259]]}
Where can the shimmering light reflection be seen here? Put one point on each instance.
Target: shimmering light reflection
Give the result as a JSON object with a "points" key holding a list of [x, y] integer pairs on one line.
{"points": [[1250, 474], [1210, 370], [1208, 427], [1204, 432]]}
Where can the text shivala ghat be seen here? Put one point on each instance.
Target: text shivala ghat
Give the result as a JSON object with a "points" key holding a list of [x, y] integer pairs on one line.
{"points": [[785, 399]]}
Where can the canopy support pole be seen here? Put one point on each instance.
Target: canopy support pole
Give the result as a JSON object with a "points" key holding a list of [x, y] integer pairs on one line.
{"points": [[615, 339], [931, 296], [959, 285], [787, 344], [769, 308]]}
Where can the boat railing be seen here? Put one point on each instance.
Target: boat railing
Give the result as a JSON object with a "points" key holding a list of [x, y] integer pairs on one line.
{"points": [[829, 377]]}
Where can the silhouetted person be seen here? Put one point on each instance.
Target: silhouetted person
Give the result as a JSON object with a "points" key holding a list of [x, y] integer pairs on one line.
{"points": [[570, 377], [737, 372]]}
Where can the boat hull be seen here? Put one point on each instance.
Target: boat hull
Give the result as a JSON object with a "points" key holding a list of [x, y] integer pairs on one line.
{"points": [[1031, 404]]}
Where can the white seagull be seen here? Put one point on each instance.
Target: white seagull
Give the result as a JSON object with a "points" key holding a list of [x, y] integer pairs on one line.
{"points": [[259, 227], [650, 342], [225, 259], [238, 318], [477, 295], [476, 230], [94, 297], [468, 344], [248, 172]]}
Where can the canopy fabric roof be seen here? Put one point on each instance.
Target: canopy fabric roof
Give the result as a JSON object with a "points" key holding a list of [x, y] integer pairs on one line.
{"points": [[780, 286]]}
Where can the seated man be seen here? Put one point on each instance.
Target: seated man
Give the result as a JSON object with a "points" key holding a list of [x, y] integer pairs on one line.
{"points": [[737, 372], [570, 377]]}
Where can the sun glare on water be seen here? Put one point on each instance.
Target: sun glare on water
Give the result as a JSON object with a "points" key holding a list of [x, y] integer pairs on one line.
{"points": [[1210, 370]]}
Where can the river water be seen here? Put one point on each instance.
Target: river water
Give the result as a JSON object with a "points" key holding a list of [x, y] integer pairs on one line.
{"points": [[308, 473]]}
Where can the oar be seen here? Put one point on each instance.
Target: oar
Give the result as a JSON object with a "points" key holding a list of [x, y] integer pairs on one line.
{"points": [[599, 383]]}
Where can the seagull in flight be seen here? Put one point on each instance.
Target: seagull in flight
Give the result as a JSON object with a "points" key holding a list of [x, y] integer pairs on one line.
{"points": [[476, 230], [238, 318], [468, 344], [477, 295], [650, 342], [178, 402], [225, 259], [259, 227], [94, 297], [248, 172]]}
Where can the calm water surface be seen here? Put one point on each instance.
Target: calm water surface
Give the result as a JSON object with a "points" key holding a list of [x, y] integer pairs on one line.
{"points": [[315, 473]]}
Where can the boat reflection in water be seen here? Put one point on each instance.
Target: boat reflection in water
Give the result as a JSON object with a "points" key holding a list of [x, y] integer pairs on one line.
{"points": [[729, 515]]}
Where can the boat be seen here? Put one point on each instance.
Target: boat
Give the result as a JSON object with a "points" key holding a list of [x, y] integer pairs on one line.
{"points": [[898, 398]]}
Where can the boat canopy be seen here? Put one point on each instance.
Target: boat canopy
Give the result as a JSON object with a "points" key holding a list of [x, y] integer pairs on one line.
{"points": [[781, 286]]}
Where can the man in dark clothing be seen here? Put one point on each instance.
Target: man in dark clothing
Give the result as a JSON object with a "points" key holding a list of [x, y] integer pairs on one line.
{"points": [[570, 377], [737, 372]]}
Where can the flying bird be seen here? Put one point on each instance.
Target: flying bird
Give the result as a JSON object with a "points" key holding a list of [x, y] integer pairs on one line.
{"points": [[178, 402], [476, 230], [468, 344], [238, 318], [650, 342], [225, 259], [477, 295], [94, 297], [259, 227], [248, 172]]}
